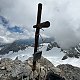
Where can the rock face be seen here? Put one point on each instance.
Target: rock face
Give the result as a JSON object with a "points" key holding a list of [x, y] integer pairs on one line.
{"points": [[45, 70], [18, 70], [51, 45], [52, 76], [15, 47], [70, 72], [13, 70]]}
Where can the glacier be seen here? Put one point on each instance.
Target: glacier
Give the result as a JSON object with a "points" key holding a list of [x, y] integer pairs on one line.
{"points": [[54, 55]]}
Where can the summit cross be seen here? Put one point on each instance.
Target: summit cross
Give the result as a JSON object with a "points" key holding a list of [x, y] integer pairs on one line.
{"points": [[37, 54]]}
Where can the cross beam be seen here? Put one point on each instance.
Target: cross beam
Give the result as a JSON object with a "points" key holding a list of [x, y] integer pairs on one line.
{"points": [[38, 26]]}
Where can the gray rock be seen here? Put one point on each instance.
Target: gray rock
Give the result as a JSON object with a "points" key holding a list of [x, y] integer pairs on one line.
{"points": [[51, 45], [44, 67], [70, 72], [13, 69], [45, 70]]}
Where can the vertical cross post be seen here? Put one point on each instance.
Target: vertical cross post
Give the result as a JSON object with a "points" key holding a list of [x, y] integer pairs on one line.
{"points": [[38, 26], [37, 32], [37, 29]]}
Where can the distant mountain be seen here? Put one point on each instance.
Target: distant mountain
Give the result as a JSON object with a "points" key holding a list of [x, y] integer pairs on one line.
{"points": [[51, 45], [21, 44], [8, 26], [17, 44], [72, 52], [30, 41]]}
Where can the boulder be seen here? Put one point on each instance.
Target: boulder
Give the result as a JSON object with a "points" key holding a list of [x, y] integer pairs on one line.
{"points": [[69, 72]]}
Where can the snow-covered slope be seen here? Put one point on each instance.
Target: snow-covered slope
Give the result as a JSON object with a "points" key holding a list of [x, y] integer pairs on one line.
{"points": [[22, 55], [71, 52], [54, 55]]}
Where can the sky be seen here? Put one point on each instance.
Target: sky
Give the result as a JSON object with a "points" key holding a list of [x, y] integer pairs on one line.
{"points": [[64, 17]]}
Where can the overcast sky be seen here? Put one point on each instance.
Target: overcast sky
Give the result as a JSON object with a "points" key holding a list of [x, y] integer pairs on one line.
{"points": [[64, 16]]}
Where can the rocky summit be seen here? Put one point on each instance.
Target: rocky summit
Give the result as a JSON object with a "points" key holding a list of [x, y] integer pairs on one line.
{"points": [[45, 70]]}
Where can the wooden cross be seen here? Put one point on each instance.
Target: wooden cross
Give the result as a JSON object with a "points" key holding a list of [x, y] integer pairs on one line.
{"points": [[38, 26]]}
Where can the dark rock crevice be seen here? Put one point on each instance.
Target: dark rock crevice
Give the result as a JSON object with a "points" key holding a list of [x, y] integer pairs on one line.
{"points": [[52, 76]]}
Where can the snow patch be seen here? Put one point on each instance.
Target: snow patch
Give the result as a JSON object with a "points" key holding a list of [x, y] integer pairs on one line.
{"points": [[54, 55]]}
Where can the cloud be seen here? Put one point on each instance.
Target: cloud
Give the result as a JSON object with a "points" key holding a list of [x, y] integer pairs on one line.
{"points": [[20, 12], [65, 23], [64, 16]]}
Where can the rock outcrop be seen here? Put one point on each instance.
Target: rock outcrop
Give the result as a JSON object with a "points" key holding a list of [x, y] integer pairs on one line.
{"points": [[51, 45], [13, 69], [69, 72], [45, 70], [18, 70]]}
